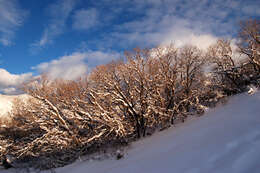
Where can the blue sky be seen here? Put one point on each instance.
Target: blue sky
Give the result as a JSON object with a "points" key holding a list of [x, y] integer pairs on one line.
{"points": [[65, 38]]}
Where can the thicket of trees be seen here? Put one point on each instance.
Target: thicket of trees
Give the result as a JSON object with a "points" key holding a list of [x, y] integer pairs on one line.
{"points": [[125, 100]]}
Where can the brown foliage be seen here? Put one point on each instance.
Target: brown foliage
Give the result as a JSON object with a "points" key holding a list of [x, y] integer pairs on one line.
{"points": [[124, 100]]}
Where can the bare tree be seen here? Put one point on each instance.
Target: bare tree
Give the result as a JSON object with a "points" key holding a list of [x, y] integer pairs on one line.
{"points": [[190, 67], [126, 88], [249, 41], [119, 101], [62, 119], [228, 73]]}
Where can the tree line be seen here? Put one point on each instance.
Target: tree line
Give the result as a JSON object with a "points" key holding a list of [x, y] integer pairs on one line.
{"points": [[124, 100]]}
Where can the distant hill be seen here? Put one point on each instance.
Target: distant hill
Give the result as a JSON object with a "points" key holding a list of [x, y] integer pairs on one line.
{"points": [[6, 103]]}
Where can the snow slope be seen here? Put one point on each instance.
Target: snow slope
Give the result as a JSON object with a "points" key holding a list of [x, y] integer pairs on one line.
{"points": [[225, 140], [6, 103]]}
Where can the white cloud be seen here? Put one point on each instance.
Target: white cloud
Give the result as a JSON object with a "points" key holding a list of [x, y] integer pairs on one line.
{"points": [[251, 9], [186, 36], [85, 19], [10, 83], [157, 22], [76, 65], [66, 67], [10, 91], [11, 17], [59, 13], [172, 30]]}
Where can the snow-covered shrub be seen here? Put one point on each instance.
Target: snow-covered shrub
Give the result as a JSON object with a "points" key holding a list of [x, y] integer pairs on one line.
{"points": [[125, 100]]}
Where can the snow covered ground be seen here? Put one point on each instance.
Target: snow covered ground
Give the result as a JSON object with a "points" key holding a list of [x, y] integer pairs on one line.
{"points": [[224, 140], [6, 103]]}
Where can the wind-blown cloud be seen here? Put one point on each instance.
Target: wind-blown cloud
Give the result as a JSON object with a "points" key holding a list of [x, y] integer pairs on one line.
{"points": [[10, 83], [12, 16], [149, 23], [67, 67], [85, 19], [76, 65], [59, 13], [185, 36]]}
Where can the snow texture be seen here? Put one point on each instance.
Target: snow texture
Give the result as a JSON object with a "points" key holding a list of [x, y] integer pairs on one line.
{"points": [[6, 103], [225, 140]]}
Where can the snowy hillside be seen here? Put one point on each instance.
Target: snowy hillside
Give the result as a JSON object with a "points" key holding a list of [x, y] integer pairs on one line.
{"points": [[225, 140], [6, 103]]}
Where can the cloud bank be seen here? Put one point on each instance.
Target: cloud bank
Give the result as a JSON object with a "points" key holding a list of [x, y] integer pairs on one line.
{"points": [[10, 83], [149, 23], [74, 66]]}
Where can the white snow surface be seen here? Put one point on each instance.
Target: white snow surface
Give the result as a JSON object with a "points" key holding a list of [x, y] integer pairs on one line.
{"points": [[6, 103], [225, 140]]}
